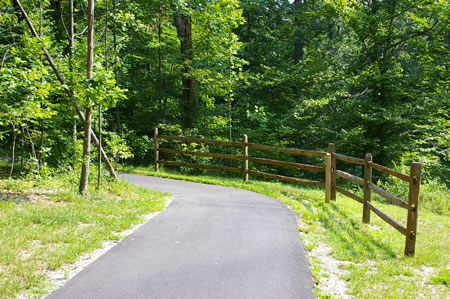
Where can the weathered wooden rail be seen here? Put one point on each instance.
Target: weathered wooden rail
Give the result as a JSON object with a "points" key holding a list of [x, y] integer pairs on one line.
{"points": [[413, 179], [330, 177]]}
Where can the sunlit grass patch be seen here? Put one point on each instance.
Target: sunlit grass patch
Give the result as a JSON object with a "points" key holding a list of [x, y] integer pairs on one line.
{"points": [[442, 278], [55, 226]]}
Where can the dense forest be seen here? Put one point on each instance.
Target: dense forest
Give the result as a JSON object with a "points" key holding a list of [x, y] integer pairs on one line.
{"points": [[369, 76]]}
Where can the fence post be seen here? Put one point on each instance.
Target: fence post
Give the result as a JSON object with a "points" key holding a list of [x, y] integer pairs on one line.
{"points": [[245, 158], [328, 178], [367, 191], [413, 205], [332, 171], [156, 150]]}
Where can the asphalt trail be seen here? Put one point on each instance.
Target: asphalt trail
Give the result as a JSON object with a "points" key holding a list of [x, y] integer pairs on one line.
{"points": [[211, 242]]}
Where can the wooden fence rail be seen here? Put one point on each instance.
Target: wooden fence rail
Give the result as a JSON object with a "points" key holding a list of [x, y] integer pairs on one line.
{"points": [[330, 177]]}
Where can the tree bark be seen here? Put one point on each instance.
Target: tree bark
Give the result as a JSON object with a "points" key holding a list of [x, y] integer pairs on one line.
{"points": [[84, 179], [32, 147], [41, 146], [160, 83], [299, 37], [99, 175], [71, 47], [184, 31], [13, 148], [42, 127], [299, 40], [56, 6], [118, 125], [17, 12]]}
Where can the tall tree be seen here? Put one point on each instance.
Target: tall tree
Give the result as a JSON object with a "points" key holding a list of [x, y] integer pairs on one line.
{"points": [[72, 79], [299, 36], [99, 175], [88, 110], [183, 23], [114, 29]]}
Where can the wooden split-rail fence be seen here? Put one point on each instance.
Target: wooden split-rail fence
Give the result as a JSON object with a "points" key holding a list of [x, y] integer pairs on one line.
{"points": [[331, 174]]}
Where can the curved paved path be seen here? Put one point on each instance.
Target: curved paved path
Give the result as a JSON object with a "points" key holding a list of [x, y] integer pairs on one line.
{"points": [[211, 242]]}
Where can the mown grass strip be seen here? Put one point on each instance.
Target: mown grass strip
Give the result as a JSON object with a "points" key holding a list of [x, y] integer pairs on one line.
{"points": [[53, 225]]}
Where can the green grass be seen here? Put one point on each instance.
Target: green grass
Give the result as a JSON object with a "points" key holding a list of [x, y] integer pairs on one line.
{"points": [[377, 268], [442, 278], [46, 225]]}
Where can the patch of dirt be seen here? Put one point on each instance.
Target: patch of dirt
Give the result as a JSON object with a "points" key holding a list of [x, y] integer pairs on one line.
{"points": [[33, 195], [426, 273], [84, 225], [14, 197], [330, 283]]}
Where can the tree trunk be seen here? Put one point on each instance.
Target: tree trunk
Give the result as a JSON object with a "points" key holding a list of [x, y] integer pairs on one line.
{"points": [[74, 141], [66, 89], [299, 37], [23, 148], [118, 125], [184, 31], [32, 147], [17, 12], [41, 145], [160, 84], [374, 6], [13, 148], [299, 40], [88, 111], [56, 6], [71, 47], [99, 175]]}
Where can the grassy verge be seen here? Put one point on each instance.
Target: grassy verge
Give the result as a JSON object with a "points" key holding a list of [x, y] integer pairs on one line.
{"points": [[373, 264], [45, 224]]}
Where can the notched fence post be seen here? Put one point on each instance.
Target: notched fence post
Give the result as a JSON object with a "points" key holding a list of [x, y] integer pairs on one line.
{"points": [[328, 178], [156, 150], [332, 172], [245, 158], [413, 206], [367, 191]]}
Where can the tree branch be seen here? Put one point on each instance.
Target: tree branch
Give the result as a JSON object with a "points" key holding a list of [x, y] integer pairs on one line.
{"points": [[66, 88]]}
